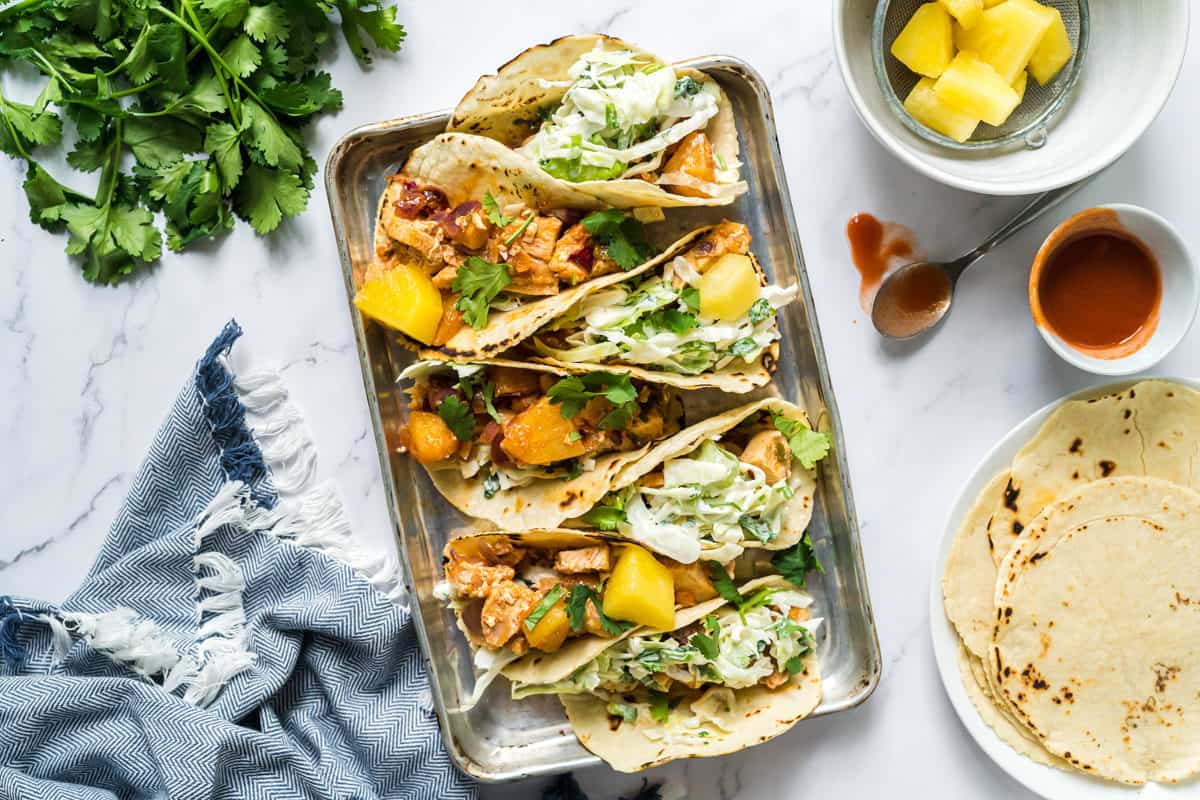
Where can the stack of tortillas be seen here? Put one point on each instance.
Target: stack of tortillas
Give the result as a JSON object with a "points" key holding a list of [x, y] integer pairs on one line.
{"points": [[1074, 585]]}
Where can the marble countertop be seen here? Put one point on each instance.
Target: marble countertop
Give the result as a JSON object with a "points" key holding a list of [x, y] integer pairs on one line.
{"points": [[86, 372]]}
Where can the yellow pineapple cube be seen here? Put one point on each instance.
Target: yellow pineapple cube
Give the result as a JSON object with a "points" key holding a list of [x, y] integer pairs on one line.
{"points": [[926, 44], [1052, 53], [971, 86], [923, 104], [967, 12], [990, 3], [1019, 86], [1007, 35]]}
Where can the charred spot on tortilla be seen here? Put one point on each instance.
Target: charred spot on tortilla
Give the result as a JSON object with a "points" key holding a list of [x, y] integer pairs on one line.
{"points": [[1076, 446], [1010, 497], [1129, 411], [1107, 467], [1038, 556], [1017, 528]]}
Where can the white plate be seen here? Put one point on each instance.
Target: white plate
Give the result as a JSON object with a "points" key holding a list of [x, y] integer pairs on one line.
{"points": [[1048, 782]]}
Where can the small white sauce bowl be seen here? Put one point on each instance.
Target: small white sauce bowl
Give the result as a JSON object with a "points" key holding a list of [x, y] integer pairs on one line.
{"points": [[1180, 296]]}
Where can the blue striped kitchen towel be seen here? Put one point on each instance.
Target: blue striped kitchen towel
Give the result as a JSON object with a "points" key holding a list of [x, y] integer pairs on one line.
{"points": [[230, 641]]}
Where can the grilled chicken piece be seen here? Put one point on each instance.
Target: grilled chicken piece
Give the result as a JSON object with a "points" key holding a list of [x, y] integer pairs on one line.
{"points": [[501, 551], [574, 255], [422, 235], [539, 238], [511, 381], [775, 679], [769, 451], [647, 425], [443, 279], [473, 230], [503, 611], [691, 579], [725, 237], [585, 559], [476, 579]]}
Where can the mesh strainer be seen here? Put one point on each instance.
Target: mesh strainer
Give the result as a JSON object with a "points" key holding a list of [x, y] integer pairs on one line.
{"points": [[1028, 123]]}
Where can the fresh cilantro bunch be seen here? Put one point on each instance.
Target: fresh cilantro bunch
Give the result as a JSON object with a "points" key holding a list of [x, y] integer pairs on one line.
{"points": [[206, 98]]}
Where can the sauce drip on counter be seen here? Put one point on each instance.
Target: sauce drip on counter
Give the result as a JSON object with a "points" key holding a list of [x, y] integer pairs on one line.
{"points": [[1098, 287], [876, 248]]}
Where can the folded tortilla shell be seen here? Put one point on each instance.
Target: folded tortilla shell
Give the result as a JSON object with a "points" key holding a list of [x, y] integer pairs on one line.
{"points": [[736, 377], [797, 512], [545, 503], [504, 107]]}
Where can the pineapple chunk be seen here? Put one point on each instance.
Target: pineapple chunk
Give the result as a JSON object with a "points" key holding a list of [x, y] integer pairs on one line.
{"points": [[1053, 53], [970, 86], [1019, 86], [430, 439], [640, 590], [541, 435], [403, 298], [729, 287], [990, 3], [923, 104], [967, 12], [551, 630], [926, 44], [1007, 35]]}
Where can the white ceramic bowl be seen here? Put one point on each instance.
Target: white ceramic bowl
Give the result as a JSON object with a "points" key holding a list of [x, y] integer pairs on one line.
{"points": [[1134, 57], [1180, 296]]}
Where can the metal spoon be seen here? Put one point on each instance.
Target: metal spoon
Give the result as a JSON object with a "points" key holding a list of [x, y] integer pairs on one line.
{"points": [[888, 316]]}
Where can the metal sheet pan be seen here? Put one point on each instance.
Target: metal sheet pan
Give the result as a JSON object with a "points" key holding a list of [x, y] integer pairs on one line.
{"points": [[500, 739]]}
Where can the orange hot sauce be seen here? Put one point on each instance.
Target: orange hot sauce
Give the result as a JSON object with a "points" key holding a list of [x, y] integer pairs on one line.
{"points": [[875, 248], [1097, 286]]}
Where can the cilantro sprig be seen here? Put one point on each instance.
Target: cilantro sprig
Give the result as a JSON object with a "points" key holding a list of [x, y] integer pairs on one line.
{"points": [[797, 561], [577, 602], [622, 235], [207, 98], [725, 587], [544, 606], [458, 417], [807, 445], [479, 281], [707, 642], [573, 393]]}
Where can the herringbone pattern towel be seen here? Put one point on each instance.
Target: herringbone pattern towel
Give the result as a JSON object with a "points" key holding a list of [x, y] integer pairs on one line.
{"points": [[230, 641]]}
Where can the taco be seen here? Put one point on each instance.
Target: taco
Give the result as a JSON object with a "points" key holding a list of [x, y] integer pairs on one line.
{"points": [[703, 317], [725, 678], [525, 445], [742, 479], [549, 597], [468, 274], [600, 116]]}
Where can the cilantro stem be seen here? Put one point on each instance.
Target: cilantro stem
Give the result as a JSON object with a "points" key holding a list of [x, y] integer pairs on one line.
{"points": [[52, 71], [111, 169], [213, 54], [517, 233], [135, 89]]}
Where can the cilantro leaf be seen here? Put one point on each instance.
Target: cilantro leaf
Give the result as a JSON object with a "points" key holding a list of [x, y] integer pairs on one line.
{"points": [[21, 129], [267, 22], [222, 140], [660, 709], [707, 643], [491, 485], [574, 392], [492, 209], [672, 319], [687, 86], [797, 561], [479, 281], [46, 197], [622, 235], [458, 417], [743, 348], [760, 310], [691, 298], [156, 142], [544, 605], [806, 445], [581, 595], [724, 584], [242, 56], [379, 24], [264, 133], [794, 665], [604, 518], [489, 393], [756, 527], [265, 195], [623, 711]]}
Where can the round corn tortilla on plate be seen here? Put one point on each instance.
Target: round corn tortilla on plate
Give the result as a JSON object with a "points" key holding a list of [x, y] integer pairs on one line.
{"points": [[1047, 781]]}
